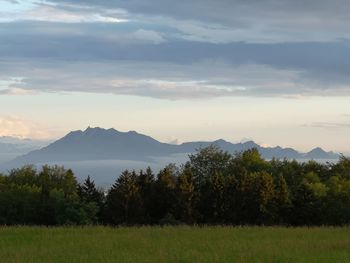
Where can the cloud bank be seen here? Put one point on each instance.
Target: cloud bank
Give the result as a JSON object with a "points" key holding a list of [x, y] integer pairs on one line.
{"points": [[22, 128], [167, 50]]}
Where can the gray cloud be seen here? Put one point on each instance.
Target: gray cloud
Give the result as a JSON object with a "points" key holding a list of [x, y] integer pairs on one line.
{"points": [[162, 80], [326, 63], [106, 42], [223, 21], [196, 49], [237, 20], [224, 10]]}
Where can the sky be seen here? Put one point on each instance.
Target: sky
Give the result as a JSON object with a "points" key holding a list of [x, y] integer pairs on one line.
{"points": [[273, 71]]}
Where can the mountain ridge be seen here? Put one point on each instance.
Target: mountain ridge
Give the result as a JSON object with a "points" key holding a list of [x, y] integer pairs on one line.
{"points": [[108, 144], [11, 147]]}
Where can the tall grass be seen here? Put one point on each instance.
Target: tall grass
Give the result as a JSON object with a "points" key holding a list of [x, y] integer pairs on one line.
{"points": [[174, 244]]}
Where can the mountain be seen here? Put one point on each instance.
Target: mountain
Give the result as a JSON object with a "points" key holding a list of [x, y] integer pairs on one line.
{"points": [[98, 144], [319, 153], [102, 144], [11, 147]]}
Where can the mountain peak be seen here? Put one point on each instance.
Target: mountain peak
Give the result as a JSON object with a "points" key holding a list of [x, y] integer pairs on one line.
{"points": [[250, 144], [317, 149], [220, 141], [100, 132], [319, 153], [93, 129]]}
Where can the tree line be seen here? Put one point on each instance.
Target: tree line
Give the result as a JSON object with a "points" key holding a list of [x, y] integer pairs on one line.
{"points": [[213, 187]]}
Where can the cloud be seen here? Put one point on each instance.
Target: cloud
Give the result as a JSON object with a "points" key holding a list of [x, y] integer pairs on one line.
{"points": [[22, 128], [205, 79], [160, 68], [137, 37], [17, 91], [173, 90], [147, 35], [235, 20], [107, 42], [12, 2], [329, 125], [51, 13], [201, 80], [212, 21], [177, 53], [9, 86]]}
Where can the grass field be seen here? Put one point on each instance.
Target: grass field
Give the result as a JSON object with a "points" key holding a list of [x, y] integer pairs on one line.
{"points": [[174, 244]]}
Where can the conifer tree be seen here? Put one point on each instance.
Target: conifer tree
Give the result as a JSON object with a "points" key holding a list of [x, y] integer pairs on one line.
{"points": [[123, 200], [186, 195], [146, 183]]}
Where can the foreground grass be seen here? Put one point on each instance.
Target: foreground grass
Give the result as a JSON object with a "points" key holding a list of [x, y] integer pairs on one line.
{"points": [[174, 244]]}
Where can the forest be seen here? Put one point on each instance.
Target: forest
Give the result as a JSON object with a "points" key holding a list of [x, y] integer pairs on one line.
{"points": [[212, 188]]}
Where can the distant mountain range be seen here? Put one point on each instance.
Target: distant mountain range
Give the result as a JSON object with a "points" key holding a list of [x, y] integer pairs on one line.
{"points": [[11, 147], [101, 144]]}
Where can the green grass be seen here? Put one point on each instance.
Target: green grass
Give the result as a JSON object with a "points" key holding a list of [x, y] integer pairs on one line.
{"points": [[174, 244]]}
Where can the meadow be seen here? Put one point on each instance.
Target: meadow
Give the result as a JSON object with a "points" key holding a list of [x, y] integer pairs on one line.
{"points": [[174, 244]]}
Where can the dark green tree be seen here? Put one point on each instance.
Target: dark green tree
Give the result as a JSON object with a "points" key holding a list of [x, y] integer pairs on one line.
{"points": [[186, 196], [123, 200], [208, 161], [91, 197], [282, 201], [146, 183], [308, 202], [89, 193], [212, 199], [165, 194]]}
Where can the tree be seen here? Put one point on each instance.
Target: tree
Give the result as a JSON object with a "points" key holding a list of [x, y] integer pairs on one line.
{"points": [[337, 207], [282, 200], [89, 193], [308, 203], [123, 200], [249, 161], [2, 182], [19, 204], [208, 161], [26, 175], [186, 196], [342, 168], [92, 198], [146, 182], [58, 187], [57, 177], [238, 193], [214, 187], [263, 194], [212, 199], [164, 194]]}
